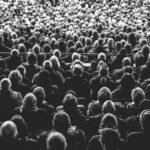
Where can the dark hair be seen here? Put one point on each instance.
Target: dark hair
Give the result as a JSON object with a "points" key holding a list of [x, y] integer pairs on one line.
{"points": [[110, 138], [61, 122], [32, 58], [70, 102], [22, 127], [109, 121], [147, 92]]}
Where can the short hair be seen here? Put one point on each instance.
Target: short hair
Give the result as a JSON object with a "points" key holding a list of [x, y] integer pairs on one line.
{"points": [[145, 120], [61, 121], [110, 138], [46, 48], [75, 56], [108, 107], [21, 125], [77, 69], [104, 94], [36, 49], [109, 121], [29, 102], [22, 70], [5, 84], [57, 53], [21, 48], [8, 129], [101, 56], [15, 77], [144, 104], [56, 141], [55, 62], [70, 102], [137, 95], [32, 58], [88, 41], [126, 61], [14, 52], [39, 92], [47, 64]]}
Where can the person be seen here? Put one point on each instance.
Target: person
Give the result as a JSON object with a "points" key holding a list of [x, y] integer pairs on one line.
{"points": [[75, 136], [56, 141], [37, 119], [139, 140], [9, 99], [3, 48], [31, 67], [109, 139], [17, 84], [123, 92], [72, 83]]}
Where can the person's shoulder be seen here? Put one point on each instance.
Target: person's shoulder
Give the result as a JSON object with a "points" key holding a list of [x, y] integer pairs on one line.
{"points": [[134, 135]]}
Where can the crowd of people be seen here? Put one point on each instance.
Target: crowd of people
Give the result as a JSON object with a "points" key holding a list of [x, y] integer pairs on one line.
{"points": [[75, 75]]}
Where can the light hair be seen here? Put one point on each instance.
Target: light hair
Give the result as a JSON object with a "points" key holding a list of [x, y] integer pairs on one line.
{"points": [[137, 95], [56, 141], [5, 84], [8, 129]]}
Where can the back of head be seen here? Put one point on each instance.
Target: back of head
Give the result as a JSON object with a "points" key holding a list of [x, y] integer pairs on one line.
{"points": [[70, 103], [56, 141], [101, 56], [21, 125], [137, 95], [126, 62], [15, 77], [55, 62], [109, 121], [75, 56], [145, 120], [104, 94], [14, 52], [5, 84], [110, 139], [108, 107], [32, 58], [77, 70], [40, 94], [29, 102], [61, 122], [22, 70], [144, 104], [8, 130]]}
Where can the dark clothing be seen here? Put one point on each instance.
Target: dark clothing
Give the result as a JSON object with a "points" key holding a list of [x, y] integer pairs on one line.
{"points": [[36, 120], [121, 94], [133, 124], [31, 70], [15, 144], [79, 85], [8, 101], [145, 72], [3, 48], [96, 84], [13, 62], [22, 88], [138, 141]]}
